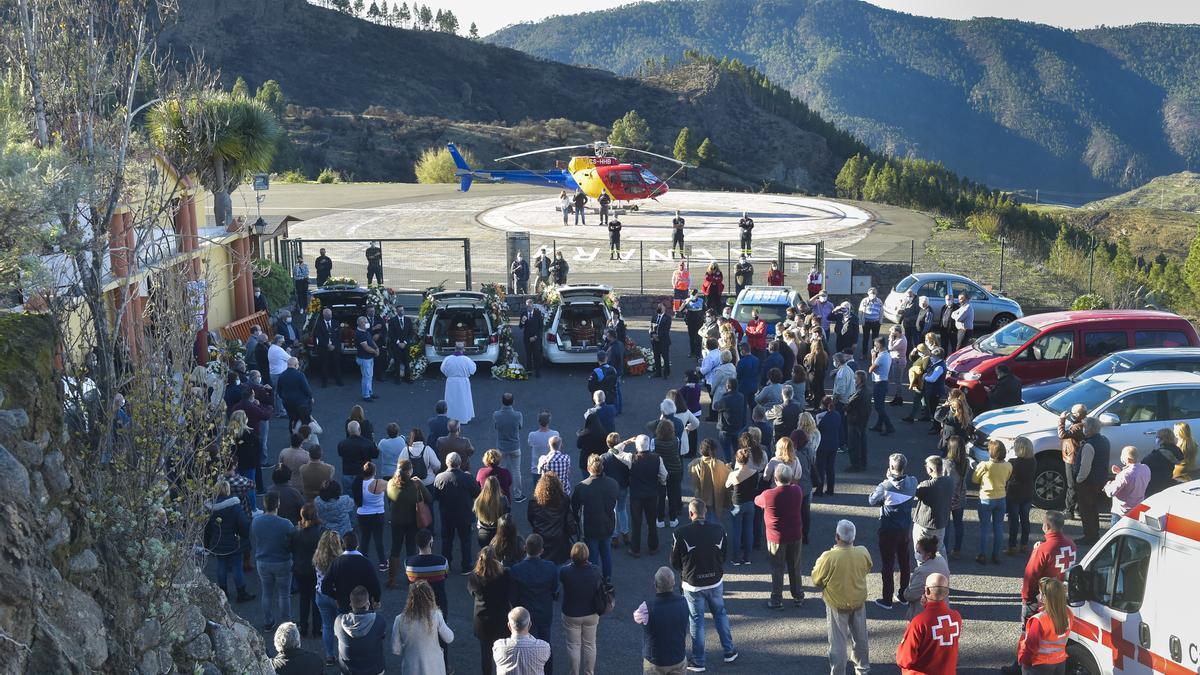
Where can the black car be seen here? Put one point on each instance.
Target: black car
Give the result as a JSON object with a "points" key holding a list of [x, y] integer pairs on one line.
{"points": [[346, 304], [1186, 359]]}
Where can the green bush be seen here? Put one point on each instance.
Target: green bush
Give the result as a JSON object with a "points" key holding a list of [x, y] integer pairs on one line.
{"points": [[329, 176], [437, 166], [292, 176], [275, 283], [1089, 301]]}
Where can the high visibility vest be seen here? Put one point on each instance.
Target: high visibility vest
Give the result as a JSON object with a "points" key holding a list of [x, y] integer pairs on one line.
{"points": [[683, 280], [1053, 647]]}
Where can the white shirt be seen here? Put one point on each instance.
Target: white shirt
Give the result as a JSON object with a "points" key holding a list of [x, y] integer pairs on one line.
{"points": [[843, 384], [277, 357], [883, 367]]}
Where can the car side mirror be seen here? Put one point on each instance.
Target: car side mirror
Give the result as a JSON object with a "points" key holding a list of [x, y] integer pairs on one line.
{"points": [[1079, 584], [1109, 420]]}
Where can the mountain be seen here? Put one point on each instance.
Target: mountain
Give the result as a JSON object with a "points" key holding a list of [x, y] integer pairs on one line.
{"points": [[366, 99], [1177, 192], [1009, 103]]}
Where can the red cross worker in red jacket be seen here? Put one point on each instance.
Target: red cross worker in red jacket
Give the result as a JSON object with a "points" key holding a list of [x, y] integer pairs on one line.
{"points": [[930, 645], [1050, 558]]}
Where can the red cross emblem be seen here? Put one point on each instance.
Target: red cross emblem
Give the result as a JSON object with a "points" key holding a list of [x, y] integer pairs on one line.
{"points": [[946, 631], [1065, 559]]}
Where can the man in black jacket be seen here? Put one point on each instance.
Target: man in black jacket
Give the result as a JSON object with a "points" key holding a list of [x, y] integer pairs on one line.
{"points": [[532, 325], [660, 341], [399, 339], [580, 201], [731, 417], [456, 491], [350, 570], [946, 325], [327, 339], [1007, 390], [535, 587], [604, 200], [603, 377], [355, 450], [614, 239], [292, 387], [698, 552], [324, 268], [596, 498]]}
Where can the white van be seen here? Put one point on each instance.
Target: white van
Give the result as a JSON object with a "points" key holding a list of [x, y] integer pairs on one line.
{"points": [[1134, 593]]}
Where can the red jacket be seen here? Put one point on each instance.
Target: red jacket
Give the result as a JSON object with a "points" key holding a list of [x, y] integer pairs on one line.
{"points": [[775, 278], [1051, 558], [930, 645], [713, 283], [781, 513], [756, 334]]}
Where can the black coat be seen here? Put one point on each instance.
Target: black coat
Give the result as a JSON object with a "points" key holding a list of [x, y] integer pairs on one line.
{"points": [[304, 545], [228, 528], [324, 337], [399, 331], [298, 661], [664, 329], [532, 326], [731, 412], [1006, 392], [593, 503], [347, 572], [556, 524]]}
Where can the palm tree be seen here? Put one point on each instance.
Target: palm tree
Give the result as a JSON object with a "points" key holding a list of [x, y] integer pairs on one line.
{"points": [[218, 136]]}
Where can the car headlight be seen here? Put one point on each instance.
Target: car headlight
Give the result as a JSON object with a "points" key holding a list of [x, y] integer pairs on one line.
{"points": [[970, 376]]}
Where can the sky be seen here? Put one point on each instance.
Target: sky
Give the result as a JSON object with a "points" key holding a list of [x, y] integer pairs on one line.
{"points": [[491, 15]]}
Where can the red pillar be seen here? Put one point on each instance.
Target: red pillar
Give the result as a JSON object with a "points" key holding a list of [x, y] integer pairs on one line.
{"points": [[120, 250], [243, 287]]}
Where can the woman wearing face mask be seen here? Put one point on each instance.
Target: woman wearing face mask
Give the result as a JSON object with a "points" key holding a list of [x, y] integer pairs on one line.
{"points": [[870, 311]]}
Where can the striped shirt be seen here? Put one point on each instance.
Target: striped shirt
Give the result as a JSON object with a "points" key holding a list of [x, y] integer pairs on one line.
{"points": [[432, 568], [520, 655], [560, 463]]}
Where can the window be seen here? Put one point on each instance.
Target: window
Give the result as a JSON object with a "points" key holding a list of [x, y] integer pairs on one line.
{"points": [[905, 283], [1007, 340], [1050, 347], [973, 292], [1101, 343], [1089, 393], [1179, 366], [1119, 574], [933, 289], [1141, 406], [1159, 338], [1183, 404]]}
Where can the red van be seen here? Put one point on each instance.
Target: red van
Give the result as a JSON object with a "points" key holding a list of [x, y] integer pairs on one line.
{"points": [[1044, 346]]}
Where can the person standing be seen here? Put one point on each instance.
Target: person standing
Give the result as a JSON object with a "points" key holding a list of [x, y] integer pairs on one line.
{"points": [[539, 446], [550, 517], [456, 491], [366, 351], [926, 319], [694, 318], [579, 201], [522, 653], [614, 236], [594, 504], [1007, 390], [361, 634], [292, 659], [992, 476], [816, 281], [698, 551], [934, 496], [1070, 432], [731, 416], [1162, 461], [292, 389], [226, 535], [508, 423], [746, 225], [945, 325], [490, 587], [880, 371], [646, 473], [405, 492], [559, 269], [774, 275], [870, 313], [418, 630], [1128, 486], [581, 581], [303, 547], [372, 493], [782, 506], [260, 301], [928, 563], [535, 587], [300, 283], [1019, 493], [355, 450], [532, 323], [1043, 646], [908, 311], [709, 476], [894, 497], [285, 327], [564, 205], [664, 621], [400, 334], [681, 285], [519, 273], [1091, 473], [604, 200], [543, 260], [930, 644], [458, 369], [324, 267], [660, 341], [374, 263], [841, 575], [743, 274], [677, 224], [830, 439], [327, 335], [349, 572], [964, 320], [713, 287]]}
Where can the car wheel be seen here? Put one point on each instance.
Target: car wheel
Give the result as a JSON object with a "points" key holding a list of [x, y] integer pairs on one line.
{"points": [[1080, 661], [1002, 320], [1050, 482]]}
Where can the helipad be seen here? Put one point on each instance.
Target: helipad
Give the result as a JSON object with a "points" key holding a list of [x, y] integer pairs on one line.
{"points": [[710, 216]]}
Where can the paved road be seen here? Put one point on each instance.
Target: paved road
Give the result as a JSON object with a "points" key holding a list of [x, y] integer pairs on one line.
{"points": [[793, 639]]}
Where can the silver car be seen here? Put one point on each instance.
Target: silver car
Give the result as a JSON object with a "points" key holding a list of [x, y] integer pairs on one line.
{"points": [[992, 310]]}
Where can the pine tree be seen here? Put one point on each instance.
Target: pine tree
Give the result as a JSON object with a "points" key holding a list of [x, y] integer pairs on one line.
{"points": [[271, 95], [341, 5], [240, 88], [630, 131], [849, 182], [426, 17], [438, 19], [707, 153], [683, 146], [870, 191], [359, 7], [473, 32], [385, 14], [404, 15], [373, 11], [448, 23]]}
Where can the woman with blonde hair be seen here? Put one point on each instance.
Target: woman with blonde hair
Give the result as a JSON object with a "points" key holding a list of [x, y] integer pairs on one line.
{"points": [[489, 585], [806, 431], [957, 467], [417, 630], [1187, 469], [955, 417], [491, 467], [1020, 494], [328, 549], [246, 448], [713, 288], [489, 506], [992, 476], [1043, 646], [817, 364], [580, 580], [365, 428]]}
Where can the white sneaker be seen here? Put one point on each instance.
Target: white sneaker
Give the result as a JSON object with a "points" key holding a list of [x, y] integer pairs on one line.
{"points": [[660, 524], [675, 522]]}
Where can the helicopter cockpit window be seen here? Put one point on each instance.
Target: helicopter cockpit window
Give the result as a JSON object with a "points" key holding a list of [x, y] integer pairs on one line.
{"points": [[650, 178], [629, 178]]}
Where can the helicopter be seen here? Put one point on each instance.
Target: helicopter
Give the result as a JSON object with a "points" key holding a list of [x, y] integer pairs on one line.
{"points": [[593, 174]]}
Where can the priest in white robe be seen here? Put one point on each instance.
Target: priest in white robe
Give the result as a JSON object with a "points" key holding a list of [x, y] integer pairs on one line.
{"points": [[458, 370]]}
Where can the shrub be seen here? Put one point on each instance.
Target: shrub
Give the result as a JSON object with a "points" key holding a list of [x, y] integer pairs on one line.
{"points": [[1089, 301], [437, 166], [274, 281], [329, 176], [987, 223], [292, 176]]}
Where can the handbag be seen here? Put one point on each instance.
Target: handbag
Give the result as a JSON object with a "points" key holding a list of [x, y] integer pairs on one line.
{"points": [[424, 513], [606, 598]]}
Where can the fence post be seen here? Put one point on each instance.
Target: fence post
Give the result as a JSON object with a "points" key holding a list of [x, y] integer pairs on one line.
{"points": [[1091, 261], [641, 267], [729, 258], [912, 255], [467, 260], [1003, 241]]}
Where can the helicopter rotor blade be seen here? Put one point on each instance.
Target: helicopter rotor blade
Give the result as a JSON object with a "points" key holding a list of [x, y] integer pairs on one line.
{"points": [[542, 151], [652, 154]]}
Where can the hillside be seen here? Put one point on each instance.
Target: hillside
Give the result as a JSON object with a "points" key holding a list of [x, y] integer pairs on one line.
{"points": [[1177, 192], [1009, 103], [380, 95]]}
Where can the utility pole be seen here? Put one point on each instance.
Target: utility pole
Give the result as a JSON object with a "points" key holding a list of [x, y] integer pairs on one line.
{"points": [[1003, 241]]}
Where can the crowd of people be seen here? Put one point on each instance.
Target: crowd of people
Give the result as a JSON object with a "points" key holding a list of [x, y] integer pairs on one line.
{"points": [[786, 400]]}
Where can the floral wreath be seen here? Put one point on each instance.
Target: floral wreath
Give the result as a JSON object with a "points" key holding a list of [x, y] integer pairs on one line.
{"points": [[416, 352], [507, 366]]}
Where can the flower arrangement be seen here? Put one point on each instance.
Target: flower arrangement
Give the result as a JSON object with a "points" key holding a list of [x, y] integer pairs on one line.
{"points": [[340, 282], [380, 298], [417, 367], [507, 367]]}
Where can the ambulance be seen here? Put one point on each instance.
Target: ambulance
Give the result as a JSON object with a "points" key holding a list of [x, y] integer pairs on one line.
{"points": [[1135, 595]]}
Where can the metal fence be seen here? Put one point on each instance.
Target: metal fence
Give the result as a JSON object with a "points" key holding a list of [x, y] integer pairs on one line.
{"points": [[408, 264]]}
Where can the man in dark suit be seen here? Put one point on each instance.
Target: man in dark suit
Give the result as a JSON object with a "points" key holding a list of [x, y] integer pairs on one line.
{"points": [[616, 359], [532, 325], [731, 417], [324, 268], [660, 341], [946, 324], [399, 338], [327, 335], [292, 388]]}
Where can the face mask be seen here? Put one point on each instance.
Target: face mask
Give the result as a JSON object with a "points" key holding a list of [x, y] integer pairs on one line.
{"points": [[289, 319]]}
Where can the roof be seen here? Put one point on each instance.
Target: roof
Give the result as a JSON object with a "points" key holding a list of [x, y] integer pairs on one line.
{"points": [[1142, 378], [760, 295], [1150, 353], [1054, 318], [921, 276], [584, 288], [1175, 510], [464, 297]]}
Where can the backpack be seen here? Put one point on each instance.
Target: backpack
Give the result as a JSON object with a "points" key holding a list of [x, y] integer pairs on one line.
{"points": [[420, 470]]}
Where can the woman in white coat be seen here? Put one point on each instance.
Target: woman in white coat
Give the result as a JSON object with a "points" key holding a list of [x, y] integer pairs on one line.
{"points": [[416, 632]]}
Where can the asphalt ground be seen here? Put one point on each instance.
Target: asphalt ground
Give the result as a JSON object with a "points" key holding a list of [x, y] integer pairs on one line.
{"points": [[793, 639]]}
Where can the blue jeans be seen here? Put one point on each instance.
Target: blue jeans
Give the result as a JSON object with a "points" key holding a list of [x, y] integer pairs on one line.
{"points": [[623, 511], [600, 553], [712, 599], [367, 368], [1018, 518], [879, 392], [250, 494], [329, 611], [954, 533], [743, 531], [276, 581], [991, 522], [729, 441], [230, 563]]}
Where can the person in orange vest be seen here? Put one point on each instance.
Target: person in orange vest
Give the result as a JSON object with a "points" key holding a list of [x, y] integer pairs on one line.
{"points": [[1051, 559], [930, 645], [815, 282], [681, 281], [775, 275], [1043, 647]]}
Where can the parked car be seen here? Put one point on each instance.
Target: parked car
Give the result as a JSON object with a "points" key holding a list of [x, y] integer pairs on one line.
{"points": [[461, 318], [1170, 356], [1045, 346], [1132, 407], [1129, 594], [346, 304], [575, 328], [992, 309], [771, 302]]}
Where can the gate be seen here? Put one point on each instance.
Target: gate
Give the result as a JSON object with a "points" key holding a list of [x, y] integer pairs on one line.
{"points": [[795, 259], [408, 264]]}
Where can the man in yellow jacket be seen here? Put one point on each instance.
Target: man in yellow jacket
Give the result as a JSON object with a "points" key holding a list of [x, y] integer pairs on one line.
{"points": [[841, 575]]}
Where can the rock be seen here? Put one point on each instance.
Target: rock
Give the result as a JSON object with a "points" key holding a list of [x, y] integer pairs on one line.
{"points": [[187, 624], [209, 669], [71, 624], [14, 477], [13, 420], [166, 664], [84, 562], [55, 475], [231, 653], [148, 636], [200, 648], [210, 600], [58, 530], [38, 491], [148, 665]]}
